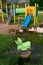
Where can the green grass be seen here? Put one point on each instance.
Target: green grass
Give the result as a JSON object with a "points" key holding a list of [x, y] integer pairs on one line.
{"points": [[7, 42], [40, 18]]}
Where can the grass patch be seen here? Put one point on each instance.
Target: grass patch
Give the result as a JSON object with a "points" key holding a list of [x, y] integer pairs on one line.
{"points": [[7, 42], [40, 18]]}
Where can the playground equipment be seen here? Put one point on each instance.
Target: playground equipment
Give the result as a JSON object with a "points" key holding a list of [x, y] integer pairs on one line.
{"points": [[29, 11], [6, 10], [2, 11], [24, 49], [21, 46]]}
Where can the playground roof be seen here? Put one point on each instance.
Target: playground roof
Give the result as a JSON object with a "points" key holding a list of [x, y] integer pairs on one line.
{"points": [[18, 1], [21, 1], [3, 0], [12, 1]]}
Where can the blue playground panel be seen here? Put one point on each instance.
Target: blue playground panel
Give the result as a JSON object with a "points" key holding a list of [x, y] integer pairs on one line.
{"points": [[37, 11], [26, 21]]}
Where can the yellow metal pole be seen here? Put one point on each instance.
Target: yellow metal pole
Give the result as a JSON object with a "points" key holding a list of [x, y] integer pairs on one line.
{"points": [[35, 28], [11, 7], [18, 16], [14, 14], [34, 19], [35, 16], [2, 13]]}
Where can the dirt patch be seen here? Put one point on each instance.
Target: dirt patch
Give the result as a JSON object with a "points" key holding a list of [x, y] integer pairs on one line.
{"points": [[41, 25], [12, 29], [5, 28]]}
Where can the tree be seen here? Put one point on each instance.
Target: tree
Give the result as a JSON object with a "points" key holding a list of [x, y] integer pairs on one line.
{"points": [[40, 2]]}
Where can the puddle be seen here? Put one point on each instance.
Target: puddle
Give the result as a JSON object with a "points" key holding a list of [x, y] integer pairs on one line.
{"points": [[35, 56]]}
